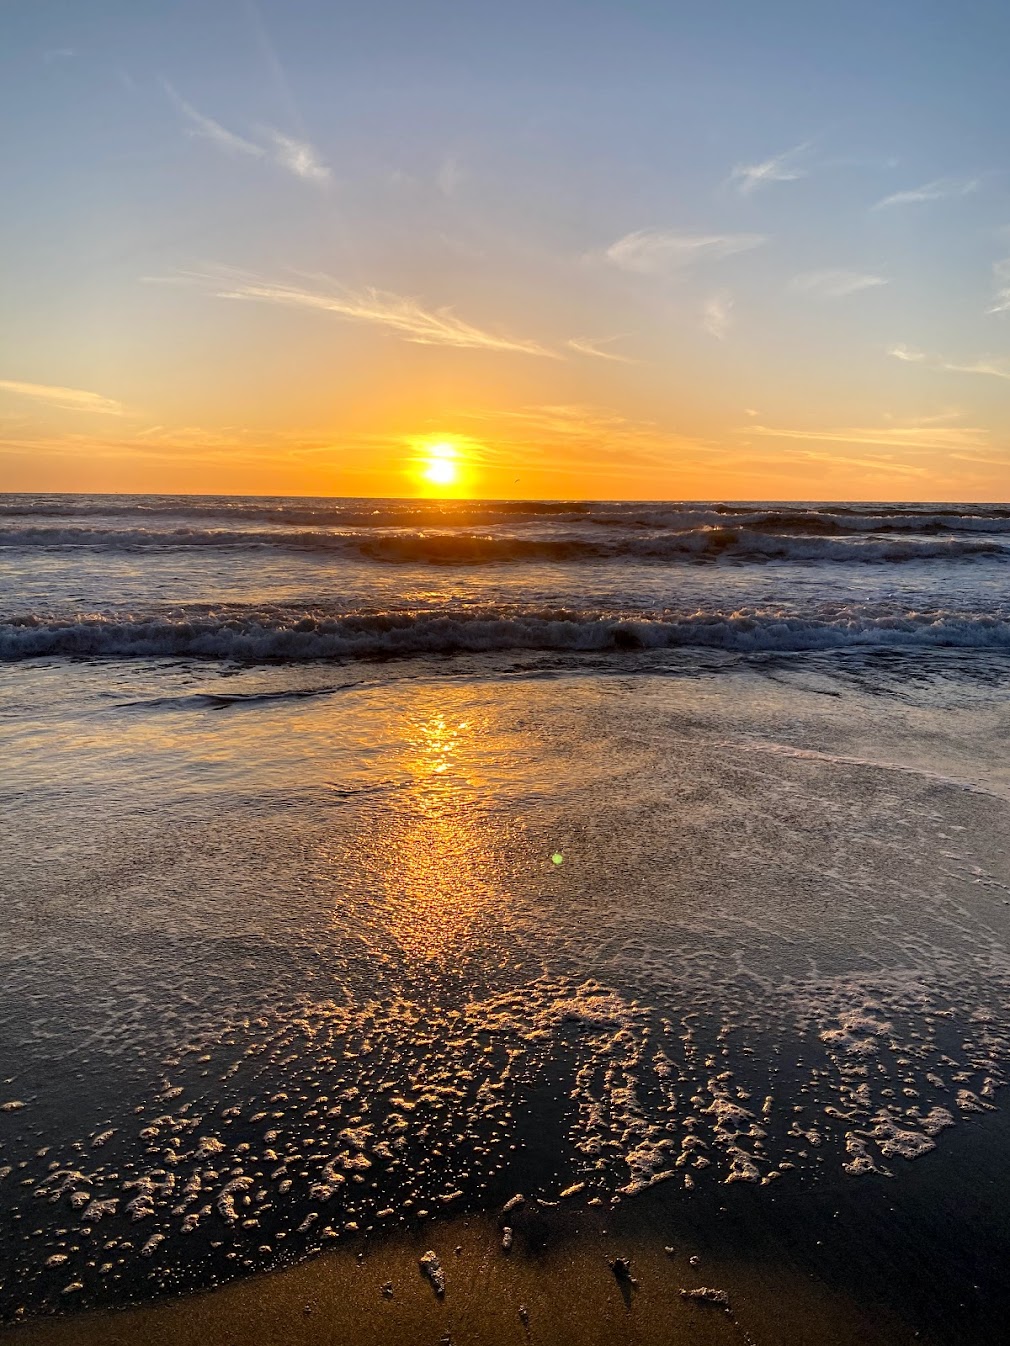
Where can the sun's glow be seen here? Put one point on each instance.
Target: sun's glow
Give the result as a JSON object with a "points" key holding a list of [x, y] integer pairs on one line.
{"points": [[438, 464], [440, 472]]}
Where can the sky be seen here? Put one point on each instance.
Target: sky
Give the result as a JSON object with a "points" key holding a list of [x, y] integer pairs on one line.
{"points": [[575, 248]]}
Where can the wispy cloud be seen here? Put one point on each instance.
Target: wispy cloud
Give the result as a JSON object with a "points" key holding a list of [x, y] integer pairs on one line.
{"points": [[71, 399], [994, 366], [297, 157], [717, 315], [940, 189], [450, 175], [593, 438], [401, 314], [1001, 299], [655, 251], [781, 168], [591, 346], [206, 128], [834, 284], [231, 446], [907, 354], [927, 434]]}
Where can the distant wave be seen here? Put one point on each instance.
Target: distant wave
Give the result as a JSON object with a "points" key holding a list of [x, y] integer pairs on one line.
{"points": [[289, 513], [704, 543], [361, 514], [262, 637]]}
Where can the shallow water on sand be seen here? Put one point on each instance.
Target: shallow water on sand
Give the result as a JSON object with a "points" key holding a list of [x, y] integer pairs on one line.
{"points": [[287, 963]]}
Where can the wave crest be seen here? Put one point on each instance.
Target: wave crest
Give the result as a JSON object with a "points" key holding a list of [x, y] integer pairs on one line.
{"points": [[707, 543], [264, 637]]}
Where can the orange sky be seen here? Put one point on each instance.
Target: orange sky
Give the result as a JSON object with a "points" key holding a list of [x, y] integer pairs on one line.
{"points": [[626, 260]]}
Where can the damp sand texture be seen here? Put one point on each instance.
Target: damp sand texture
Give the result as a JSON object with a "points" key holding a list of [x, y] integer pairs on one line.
{"points": [[308, 981]]}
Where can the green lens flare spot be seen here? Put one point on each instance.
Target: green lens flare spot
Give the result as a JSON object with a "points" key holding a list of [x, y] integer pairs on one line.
{"points": [[557, 858]]}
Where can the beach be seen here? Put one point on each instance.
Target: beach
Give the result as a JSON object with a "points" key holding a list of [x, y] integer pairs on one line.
{"points": [[370, 865]]}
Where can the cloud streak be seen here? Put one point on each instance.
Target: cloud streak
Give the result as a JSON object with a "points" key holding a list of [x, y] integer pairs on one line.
{"points": [[997, 367], [749, 178], [1001, 299], [993, 366], [297, 157], [70, 399], [717, 315], [590, 437], [656, 251], [401, 314], [206, 128], [450, 175], [591, 346], [916, 435], [940, 189], [834, 284]]}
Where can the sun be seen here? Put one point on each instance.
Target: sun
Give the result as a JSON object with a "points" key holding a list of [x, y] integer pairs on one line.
{"points": [[438, 465]]}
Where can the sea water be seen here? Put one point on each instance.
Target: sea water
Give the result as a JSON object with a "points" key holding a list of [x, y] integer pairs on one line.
{"points": [[287, 957]]}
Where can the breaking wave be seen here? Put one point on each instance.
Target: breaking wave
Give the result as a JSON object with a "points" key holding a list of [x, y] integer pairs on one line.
{"points": [[267, 636], [705, 543], [815, 519]]}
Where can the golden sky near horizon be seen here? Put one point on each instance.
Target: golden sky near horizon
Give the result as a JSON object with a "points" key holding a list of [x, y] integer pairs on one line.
{"points": [[613, 252]]}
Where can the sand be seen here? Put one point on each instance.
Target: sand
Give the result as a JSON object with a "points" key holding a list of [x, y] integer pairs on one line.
{"points": [[562, 1293]]}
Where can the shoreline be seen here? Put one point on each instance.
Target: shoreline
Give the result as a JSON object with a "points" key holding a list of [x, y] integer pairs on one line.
{"points": [[846, 1261], [334, 977], [560, 1291]]}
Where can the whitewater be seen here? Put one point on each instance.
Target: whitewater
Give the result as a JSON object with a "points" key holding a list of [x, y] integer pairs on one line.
{"points": [[275, 579]]}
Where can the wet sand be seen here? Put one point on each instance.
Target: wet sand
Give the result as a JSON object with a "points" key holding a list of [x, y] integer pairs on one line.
{"points": [[564, 1294], [883, 1262], [309, 985]]}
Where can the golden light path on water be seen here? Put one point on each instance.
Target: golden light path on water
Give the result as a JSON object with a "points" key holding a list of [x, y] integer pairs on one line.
{"points": [[435, 856]]}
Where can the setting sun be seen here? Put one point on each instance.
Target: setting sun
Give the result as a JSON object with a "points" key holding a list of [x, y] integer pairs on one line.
{"points": [[438, 465]]}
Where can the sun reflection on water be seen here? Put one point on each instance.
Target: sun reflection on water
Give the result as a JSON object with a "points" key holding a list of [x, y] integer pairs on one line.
{"points": [[440, 857]]}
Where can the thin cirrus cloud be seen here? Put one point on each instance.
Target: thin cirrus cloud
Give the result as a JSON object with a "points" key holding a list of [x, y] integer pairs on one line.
{"points": [[590, 437], [940, 189], [449, 176], [834, 284], [592, 346], [914, 435], [717, 315], [399, 313], [70, 399], [749, 178], [908, 355], [1001, 299], [996, 367], [993, 366], [295, 156], [656, 251], [298, 157]]}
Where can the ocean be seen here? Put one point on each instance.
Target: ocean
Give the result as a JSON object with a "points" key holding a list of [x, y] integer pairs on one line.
{"points": [[368, 864], [258, 579]]}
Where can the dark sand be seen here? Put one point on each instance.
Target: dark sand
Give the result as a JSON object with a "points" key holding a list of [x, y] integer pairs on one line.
{"points": [[878, 1262], [565, 1294]]}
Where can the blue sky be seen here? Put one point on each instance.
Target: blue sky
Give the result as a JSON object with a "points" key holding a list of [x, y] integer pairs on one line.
{"points": [[722, 250]]}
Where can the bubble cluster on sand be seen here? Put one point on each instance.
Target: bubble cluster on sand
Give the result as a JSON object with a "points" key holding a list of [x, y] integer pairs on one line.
{"points": [[320, 1125]]}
